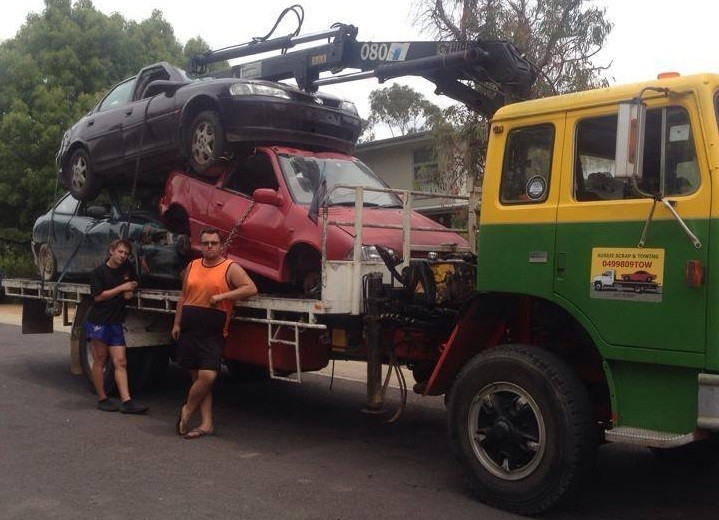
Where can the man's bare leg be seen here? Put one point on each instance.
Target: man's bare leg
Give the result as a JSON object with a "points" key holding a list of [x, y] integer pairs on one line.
{"points": [[119, 361], [99, 358], [200, 397]]}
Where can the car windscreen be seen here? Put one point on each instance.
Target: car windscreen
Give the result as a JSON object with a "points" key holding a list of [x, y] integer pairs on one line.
{"points": [[303, 175]]}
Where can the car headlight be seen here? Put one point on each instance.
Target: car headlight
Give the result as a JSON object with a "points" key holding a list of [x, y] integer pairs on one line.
{"points": [[348, 106], [369, 253], [254, 89]]}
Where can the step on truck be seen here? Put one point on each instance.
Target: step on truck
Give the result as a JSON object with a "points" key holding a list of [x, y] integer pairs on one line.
{"points": [[537, 370]]}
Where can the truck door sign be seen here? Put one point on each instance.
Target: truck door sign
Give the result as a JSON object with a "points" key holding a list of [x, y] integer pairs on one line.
{"points": [[628, 274]]}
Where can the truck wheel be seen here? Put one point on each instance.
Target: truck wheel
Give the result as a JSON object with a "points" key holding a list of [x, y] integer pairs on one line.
{"points": [[79, 178], [597, 286], [520, 423], [46, 263], [245, 372], [206, 142]]}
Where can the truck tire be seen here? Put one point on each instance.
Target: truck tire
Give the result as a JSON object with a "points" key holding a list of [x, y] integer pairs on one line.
{"points": [[79, 177], [241, 372], [520, 423], [207, 143], [597, 286]]}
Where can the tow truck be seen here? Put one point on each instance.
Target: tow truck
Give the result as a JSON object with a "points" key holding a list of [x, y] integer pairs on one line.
{"points": [[536, 371]]}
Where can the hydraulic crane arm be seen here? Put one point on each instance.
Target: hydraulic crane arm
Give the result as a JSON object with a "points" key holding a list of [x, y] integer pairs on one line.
{"points": [[484, 75]]}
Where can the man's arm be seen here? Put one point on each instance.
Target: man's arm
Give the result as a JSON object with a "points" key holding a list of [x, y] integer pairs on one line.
{"points": [[243, 285], [100, 294]]}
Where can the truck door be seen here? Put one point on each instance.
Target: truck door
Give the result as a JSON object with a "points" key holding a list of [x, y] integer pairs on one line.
{"points": [[601, 220], [519, 206]]}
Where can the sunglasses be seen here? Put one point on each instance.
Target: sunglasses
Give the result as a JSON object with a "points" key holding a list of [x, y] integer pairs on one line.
{"points": [[208, 243]]}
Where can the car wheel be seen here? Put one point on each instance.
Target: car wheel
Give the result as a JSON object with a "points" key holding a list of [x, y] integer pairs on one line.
{"points": [[46, 263], [520, 423], [207, 142], [79, 177], [311, 284], [177, 220], [241, 372]]}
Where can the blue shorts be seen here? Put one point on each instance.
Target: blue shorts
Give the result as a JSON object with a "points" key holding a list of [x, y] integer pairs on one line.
{"points": [[110, 335]]}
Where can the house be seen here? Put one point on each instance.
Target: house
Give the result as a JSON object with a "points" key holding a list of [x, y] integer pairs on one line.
{"points": [[407, 163]]}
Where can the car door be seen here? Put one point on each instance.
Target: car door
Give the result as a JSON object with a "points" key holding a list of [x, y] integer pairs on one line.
{"points": [[262, 238], [606, 237], [102, 129], [135, 128], [59, 236]]}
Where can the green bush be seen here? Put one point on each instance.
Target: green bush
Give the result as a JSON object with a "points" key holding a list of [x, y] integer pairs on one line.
{"points": [[16, 262]]}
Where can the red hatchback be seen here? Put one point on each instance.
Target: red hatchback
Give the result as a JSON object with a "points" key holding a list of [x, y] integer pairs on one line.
{"points": [[266, 195]]}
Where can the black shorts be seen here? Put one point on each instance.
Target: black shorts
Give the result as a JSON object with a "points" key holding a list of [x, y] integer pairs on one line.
{"points": [[201, 340]]}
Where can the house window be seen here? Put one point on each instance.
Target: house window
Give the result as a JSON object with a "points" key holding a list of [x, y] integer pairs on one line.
{"points": [[425, 170], [669, 158]]}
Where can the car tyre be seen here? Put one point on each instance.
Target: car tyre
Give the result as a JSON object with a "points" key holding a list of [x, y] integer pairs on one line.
{"points": [[79, 177], [207, 144], [46, 263]]}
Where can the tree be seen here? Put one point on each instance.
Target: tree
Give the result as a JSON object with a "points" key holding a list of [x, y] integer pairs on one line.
{"points": [[560, 37], [52, 72], [401, 108]]}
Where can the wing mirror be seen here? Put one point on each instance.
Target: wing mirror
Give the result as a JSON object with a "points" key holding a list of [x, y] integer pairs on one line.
{"points": [[97, 212], [267, 196], [159, 86]]}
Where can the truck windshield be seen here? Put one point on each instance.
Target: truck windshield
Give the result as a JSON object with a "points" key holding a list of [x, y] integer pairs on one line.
{"points": [[303, 175]]}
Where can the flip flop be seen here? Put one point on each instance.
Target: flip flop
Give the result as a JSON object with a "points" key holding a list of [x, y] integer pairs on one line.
{"points": [[179, 424], [197, 433]]}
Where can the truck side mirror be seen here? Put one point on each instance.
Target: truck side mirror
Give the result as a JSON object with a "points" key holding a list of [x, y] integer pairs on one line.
{"points": [[631, 123]]}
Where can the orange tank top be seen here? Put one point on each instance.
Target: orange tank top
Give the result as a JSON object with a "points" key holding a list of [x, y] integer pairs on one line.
{"points": [[203, 281]]}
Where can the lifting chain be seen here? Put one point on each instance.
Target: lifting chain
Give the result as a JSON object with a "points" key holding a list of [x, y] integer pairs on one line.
{"points": [[236, 228]]}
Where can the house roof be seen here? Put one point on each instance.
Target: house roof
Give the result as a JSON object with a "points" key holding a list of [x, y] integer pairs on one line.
{"points": [[417, 137]]}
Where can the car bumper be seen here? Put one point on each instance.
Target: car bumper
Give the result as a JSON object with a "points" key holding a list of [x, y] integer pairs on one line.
{"points": [[289, 123]]}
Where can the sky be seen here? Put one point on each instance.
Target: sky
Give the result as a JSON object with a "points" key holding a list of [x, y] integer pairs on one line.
{"points": [[644, 41]]}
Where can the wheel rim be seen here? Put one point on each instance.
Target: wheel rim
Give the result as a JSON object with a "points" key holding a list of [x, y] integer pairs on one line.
{"points": [[312, 284], [79, 174], [203, 143], [507, 431]]}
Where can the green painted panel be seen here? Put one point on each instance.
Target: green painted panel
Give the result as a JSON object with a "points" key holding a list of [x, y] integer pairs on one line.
{"points": [[676, 323], [654, 397]]}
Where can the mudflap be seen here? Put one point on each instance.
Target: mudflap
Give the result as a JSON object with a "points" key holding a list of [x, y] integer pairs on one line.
{"points": [[35, 319]]}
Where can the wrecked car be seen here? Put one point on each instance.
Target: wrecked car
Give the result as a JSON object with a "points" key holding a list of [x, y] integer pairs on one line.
{"points": [[160, 119], [268, 195], [73, 237]]}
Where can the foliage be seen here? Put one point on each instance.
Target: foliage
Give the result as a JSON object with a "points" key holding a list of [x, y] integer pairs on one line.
{"points": [[401, 108], [55, 69], [560, 37]]}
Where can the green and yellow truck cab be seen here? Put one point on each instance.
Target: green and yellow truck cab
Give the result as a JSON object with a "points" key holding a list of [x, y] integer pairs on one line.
{"points": [[595, 252]]}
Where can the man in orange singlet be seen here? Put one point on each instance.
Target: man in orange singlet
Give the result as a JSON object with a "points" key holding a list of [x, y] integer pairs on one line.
{"points": [[210, 287]]}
